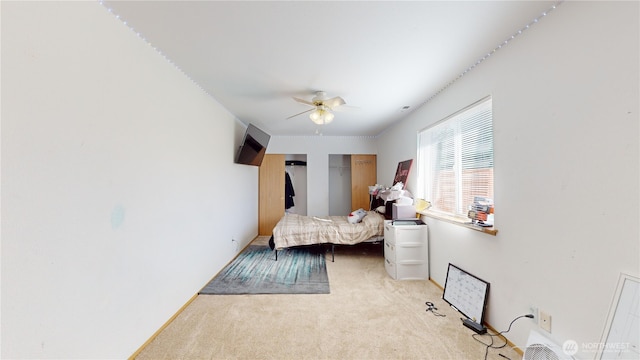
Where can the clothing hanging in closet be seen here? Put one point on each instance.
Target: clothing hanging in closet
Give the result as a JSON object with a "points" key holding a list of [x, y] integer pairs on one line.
{"points": [[289, 193]]}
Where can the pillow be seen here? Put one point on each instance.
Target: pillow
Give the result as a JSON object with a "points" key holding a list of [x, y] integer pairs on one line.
{"points": [[356, 216]]}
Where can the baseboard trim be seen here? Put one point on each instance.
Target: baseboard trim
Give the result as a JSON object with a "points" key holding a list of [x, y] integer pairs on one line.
{"points": [[164, 326], [509, 343]]}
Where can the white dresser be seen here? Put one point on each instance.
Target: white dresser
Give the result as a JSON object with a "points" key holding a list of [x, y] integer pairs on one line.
{"points": [[406, 249]]}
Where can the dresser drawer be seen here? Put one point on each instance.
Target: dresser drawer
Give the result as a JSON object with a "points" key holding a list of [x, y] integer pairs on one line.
{"points": [[407, 269], [411, 270], [406, 251], [405, 233], [390, 266], [411, 251], [389, 250]]}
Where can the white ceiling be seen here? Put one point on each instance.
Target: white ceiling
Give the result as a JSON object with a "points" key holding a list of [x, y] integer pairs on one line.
{"points": [[252, 57]]}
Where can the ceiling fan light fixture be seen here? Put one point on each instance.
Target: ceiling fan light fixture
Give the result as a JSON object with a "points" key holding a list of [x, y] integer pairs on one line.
{"points": [[321, 116]]}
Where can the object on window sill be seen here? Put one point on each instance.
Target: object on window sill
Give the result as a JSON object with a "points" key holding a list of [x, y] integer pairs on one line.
{"points": [[422, 204], [459, 221], [481, 211]]}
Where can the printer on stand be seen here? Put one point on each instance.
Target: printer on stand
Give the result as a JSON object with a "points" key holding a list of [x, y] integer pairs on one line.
{"points": [[394, 202], [401, 210]]}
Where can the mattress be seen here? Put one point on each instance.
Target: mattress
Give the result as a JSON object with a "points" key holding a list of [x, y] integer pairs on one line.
{"points": [[298, 230]]}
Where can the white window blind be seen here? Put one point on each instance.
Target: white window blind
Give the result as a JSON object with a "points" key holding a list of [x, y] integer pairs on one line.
{"points": [[455, 159]]}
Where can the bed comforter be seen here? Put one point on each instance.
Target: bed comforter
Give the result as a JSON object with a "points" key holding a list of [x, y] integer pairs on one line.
{"points": [[297, 230]]}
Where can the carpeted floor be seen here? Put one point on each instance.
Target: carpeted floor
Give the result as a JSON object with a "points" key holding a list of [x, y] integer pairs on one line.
{"points": [[367, 315], [255, 271]]}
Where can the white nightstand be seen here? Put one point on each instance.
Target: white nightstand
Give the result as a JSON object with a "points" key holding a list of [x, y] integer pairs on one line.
{"points": [[406, 249]]}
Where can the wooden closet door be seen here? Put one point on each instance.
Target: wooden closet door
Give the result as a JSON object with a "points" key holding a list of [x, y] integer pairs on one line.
{"points": [[271, 193], [363, 174]]}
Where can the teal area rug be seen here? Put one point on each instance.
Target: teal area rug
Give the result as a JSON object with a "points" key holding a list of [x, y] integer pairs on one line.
{"points": [[255, 271]]}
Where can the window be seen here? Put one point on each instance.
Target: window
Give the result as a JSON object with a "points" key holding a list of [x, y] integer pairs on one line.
{"points": [[455, 160]]}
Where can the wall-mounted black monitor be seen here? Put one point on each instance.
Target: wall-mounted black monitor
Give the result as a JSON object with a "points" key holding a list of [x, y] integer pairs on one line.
{"points": [[253, 146]]}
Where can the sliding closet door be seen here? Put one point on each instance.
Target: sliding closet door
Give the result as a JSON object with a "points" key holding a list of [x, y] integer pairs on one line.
{"points": [[363, 174], [271, 193]]}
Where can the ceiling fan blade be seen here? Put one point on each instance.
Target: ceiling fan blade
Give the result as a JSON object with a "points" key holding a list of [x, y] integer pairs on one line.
{"points": [[334, 102], [346, 108], [303, 101], [306, 111]]}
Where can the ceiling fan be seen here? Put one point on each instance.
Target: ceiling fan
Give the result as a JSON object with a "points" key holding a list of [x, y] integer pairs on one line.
{"points": [[322, 112]]}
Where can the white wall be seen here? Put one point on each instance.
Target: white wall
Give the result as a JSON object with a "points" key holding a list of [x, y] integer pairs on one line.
{"points": [[565, 104], [115, 166], [318, 149], [116, 207]]}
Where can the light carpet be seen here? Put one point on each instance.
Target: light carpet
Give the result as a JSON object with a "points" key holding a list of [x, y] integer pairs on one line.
{"points": [[367, 315]]}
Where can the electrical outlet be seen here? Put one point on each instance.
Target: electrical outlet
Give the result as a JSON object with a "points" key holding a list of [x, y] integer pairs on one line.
{"points": [[545, 321], [534, 311]]}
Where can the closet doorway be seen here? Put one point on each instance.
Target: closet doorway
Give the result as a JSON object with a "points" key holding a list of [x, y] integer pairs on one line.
{"points": [[339, 184], [275, 190], [349, 179], [296, 171]]}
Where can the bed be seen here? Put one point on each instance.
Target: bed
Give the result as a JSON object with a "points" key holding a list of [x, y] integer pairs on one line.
{"points": [[298, 230]]}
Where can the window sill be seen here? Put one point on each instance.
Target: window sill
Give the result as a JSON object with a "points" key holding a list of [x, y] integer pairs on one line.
{"points": [[458, 221]]}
